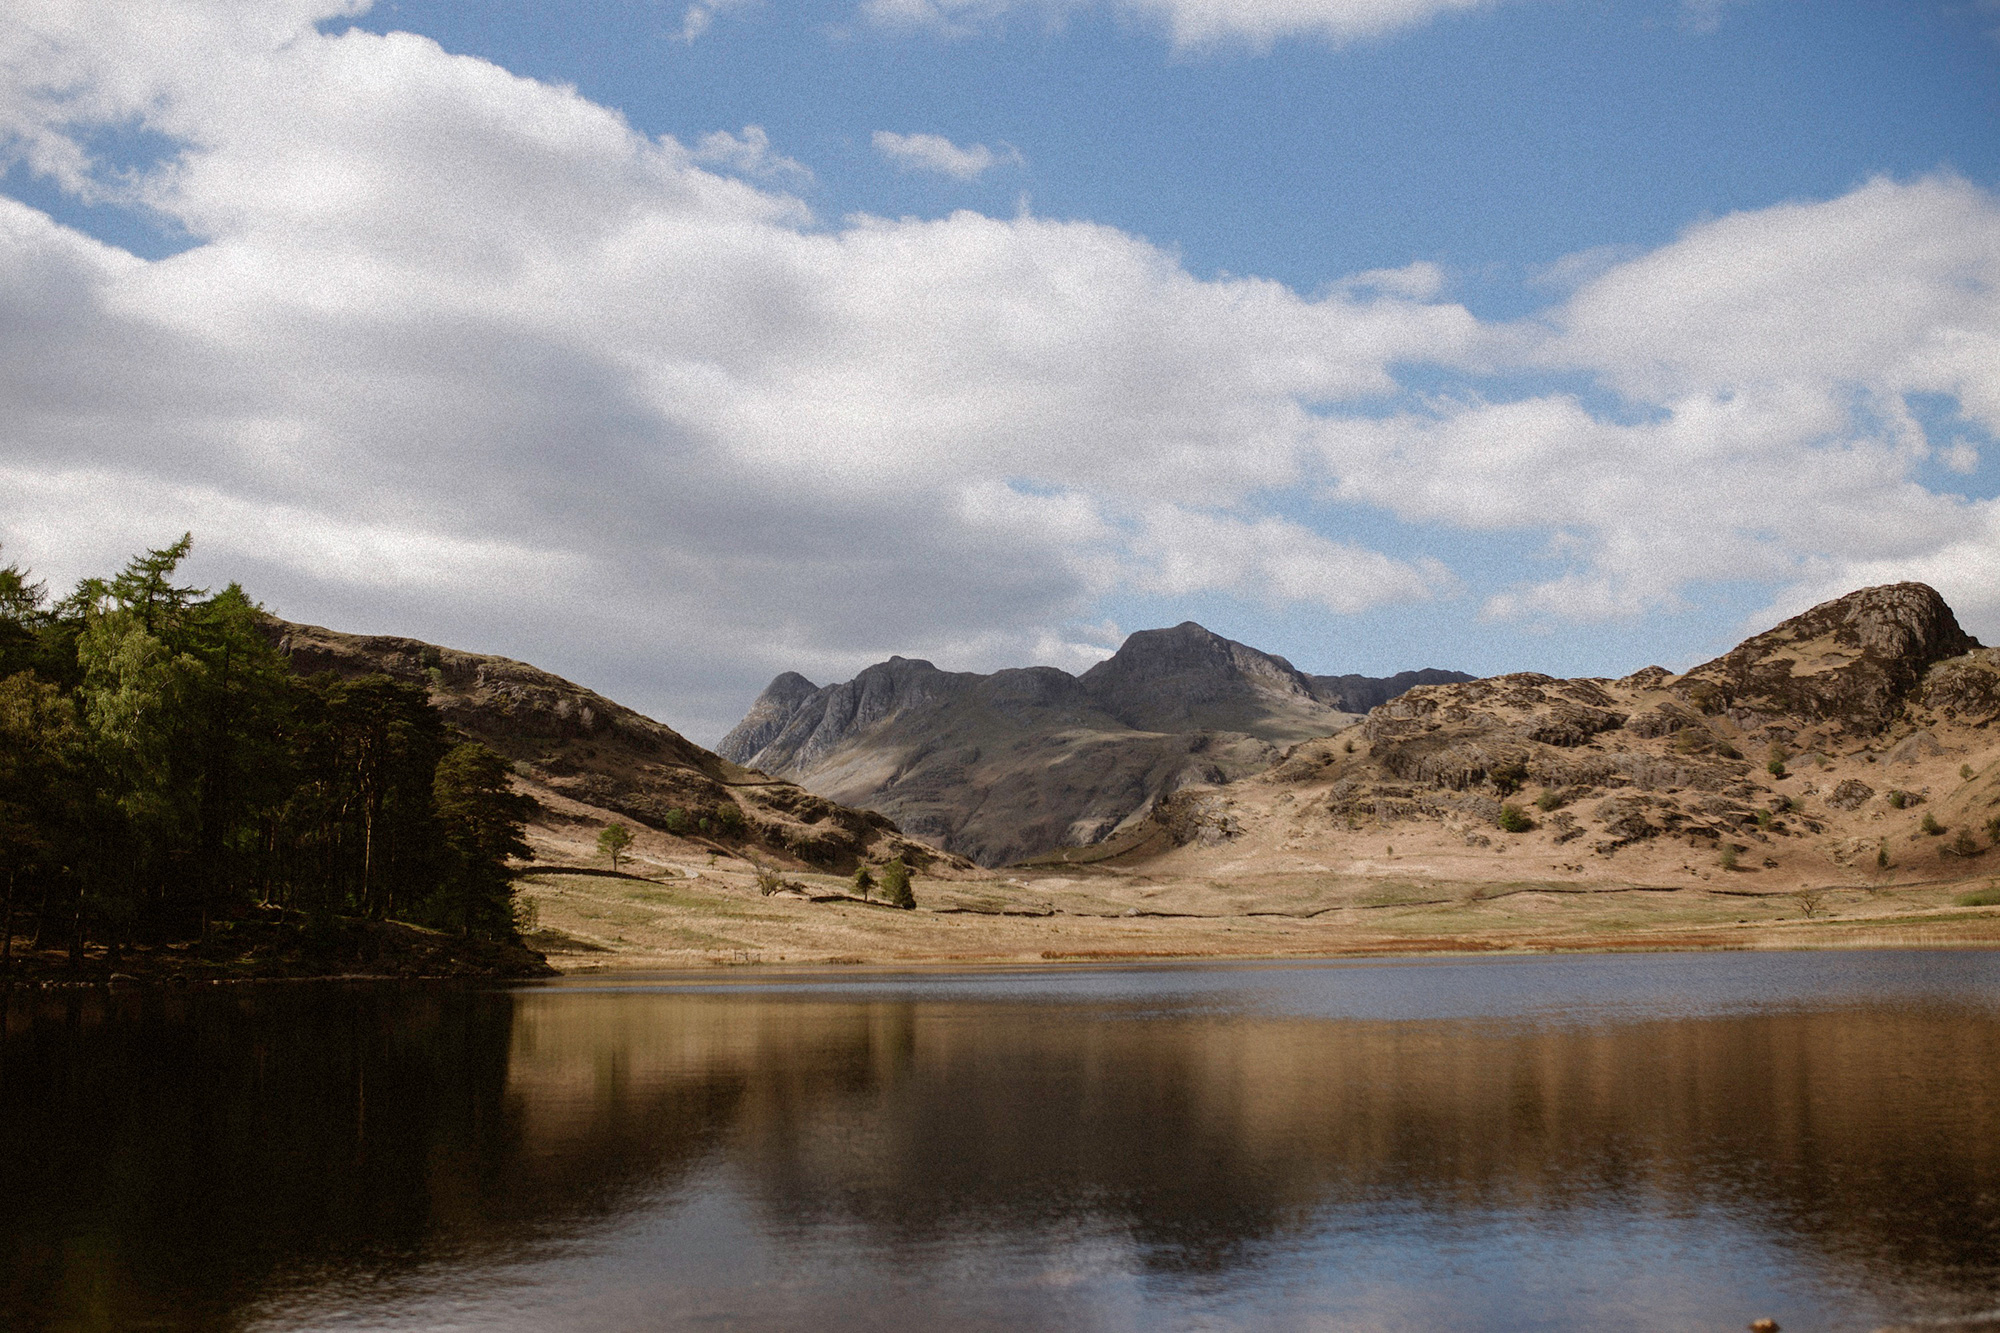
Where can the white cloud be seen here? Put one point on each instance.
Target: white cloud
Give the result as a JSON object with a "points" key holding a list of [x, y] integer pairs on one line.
{"points": [[749, 154], [436, 307], [1763, 361], [700, 17], [1191, 23], [460, 354], [934, 152]]}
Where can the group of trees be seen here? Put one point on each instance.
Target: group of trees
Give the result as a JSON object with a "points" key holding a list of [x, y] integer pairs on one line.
{"points": [[161, 768]]}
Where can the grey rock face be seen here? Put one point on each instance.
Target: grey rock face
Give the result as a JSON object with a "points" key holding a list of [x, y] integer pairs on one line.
{"points": [[767, 717]]}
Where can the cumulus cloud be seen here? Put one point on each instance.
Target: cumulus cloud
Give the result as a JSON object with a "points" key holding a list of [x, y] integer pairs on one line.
{"points": [[1191, 23], [460, 354], [1762, 368], [463, 325], [934, 152]]}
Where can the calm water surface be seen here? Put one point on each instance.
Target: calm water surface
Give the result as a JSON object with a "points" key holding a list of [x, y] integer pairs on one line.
{"points": [[1671, 1142]]}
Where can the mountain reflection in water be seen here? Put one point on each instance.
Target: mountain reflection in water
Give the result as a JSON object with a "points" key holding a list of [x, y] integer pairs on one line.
{"points": [[1254, 1148]]}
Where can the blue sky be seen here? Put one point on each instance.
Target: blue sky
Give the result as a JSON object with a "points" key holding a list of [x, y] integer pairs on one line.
{"points": [[671, 347]]}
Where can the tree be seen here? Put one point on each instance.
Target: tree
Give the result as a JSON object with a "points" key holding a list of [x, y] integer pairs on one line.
{"points": [[613, 841], [896, 884], [863, 881], [1513, 819], [480, 821]]}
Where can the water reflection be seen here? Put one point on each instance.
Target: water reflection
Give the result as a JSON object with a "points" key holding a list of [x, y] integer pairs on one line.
{"points": [[1184, 1152]]}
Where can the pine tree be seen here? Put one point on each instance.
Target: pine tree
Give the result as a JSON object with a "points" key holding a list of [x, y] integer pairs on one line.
{"points": [[480, 817], [896, 884]]}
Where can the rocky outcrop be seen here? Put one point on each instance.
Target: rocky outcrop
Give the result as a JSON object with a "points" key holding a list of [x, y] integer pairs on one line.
{"points": [[1850, 661], [1763, 744], [570, 742], [1015, 764]]}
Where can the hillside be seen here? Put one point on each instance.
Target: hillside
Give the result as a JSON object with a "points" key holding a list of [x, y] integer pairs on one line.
{"points": [[588, 761], [1812, 753], [1014, 764]]}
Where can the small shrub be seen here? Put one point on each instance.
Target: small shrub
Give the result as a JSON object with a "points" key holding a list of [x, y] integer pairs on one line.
{"points": [[1350, 747], [1931, 826], [1729, 856], [1792, 805], [1763, 819], [1988, 897], [1812, 902], [1898, 799], [769, 881], [1775, 767], [1513, 819], [1963, 845], [677, 821], [1882, 854], [1510, 778], [1548, 800], [1993, 830], [1965, 772], [1728, 751]]}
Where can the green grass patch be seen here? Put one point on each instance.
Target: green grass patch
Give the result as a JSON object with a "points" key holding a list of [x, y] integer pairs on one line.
{"points": [[1979, 898]]}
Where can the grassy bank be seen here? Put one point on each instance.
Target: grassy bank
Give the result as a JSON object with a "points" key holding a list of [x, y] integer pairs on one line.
{"points": [[256, 949], [713, 915]]}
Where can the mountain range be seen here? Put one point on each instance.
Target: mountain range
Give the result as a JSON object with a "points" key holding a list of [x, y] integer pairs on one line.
{"points": [[1016, 764]]}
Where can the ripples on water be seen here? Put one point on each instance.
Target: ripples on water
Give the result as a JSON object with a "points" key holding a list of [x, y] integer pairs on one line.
{"points": [[1666, 1142]]}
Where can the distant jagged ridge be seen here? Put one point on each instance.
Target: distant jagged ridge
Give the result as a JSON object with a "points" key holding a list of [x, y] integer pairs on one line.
{"points": [[1020, 762]]}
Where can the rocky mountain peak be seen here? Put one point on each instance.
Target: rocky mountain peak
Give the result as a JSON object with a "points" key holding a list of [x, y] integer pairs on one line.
{"points": [[767, 717], [1851, 660], [1177, 679]]}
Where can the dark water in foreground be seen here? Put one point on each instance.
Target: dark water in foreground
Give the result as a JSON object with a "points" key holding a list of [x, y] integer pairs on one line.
{"points": [[1676, 1142]]}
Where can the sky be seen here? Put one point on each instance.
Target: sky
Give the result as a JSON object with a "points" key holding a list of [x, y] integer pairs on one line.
{"points": [[672, 345]]}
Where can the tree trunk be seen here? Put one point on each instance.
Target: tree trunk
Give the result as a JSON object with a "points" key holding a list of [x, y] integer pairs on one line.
{"points": [[7, 944]]}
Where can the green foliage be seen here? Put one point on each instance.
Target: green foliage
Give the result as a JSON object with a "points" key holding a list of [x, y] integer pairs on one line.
{"points": [[161, 766], [896, 885], [1965, 772], [1962, 845], [1993, 830], [1882, 854], [612, 841], [768, 880], [1898, 799], [863, 881], [729, 820], [1548, 800], [480, 820], [1513, 819], [1931, 826], [1987, 897], [678, 822], [1763, 819], [1728, 856], [1775, 767], [1510, 777]]}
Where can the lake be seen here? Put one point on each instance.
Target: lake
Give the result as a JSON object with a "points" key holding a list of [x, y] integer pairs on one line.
{"points": [[1660, 1142]]}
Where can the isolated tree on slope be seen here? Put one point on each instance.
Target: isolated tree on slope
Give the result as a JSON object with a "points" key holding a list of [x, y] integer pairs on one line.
{"points": [[613, 841]]}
